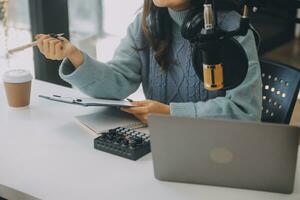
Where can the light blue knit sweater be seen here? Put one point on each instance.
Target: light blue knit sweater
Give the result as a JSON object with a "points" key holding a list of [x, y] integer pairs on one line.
{"points": [[179, 86]]}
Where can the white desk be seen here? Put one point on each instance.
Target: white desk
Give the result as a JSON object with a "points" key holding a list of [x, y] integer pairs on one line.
{"points": [[45, 153]]}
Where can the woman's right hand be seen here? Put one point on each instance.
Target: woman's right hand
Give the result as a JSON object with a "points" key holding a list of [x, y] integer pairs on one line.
{"points": [[58, 49]]}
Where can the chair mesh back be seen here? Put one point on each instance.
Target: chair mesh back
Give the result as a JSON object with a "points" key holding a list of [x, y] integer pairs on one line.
{"points": [[280, 91]]}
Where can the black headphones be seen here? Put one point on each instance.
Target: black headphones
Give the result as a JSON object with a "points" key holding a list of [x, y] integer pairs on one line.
{"points": [[231, 51], [158, 22]]}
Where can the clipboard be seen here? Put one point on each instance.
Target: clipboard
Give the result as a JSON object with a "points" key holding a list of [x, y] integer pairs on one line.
{"points": [[88, 102]]}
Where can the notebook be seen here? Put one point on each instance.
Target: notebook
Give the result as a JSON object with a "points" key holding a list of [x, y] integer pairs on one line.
{"points": [[88, 101], [109, 118]]}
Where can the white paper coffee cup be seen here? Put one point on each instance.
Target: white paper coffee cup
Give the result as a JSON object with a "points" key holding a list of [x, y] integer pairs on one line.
{"points": [[17, 85]]}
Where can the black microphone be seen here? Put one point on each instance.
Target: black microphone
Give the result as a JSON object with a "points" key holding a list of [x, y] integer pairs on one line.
{"points": [[219, 60], [212, 66]]}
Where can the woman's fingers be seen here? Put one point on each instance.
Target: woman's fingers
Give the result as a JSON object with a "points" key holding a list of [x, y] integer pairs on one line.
{"points": [[52, 49], [136, 110], [46, 46], [40, 41], [63, 39], [140, 109], [143, 108], [59, 53], [38, 36], [140, 103], [140, 112]]}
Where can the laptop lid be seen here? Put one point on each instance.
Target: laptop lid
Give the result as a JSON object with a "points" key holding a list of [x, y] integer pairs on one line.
{"points": [[224, 153]]}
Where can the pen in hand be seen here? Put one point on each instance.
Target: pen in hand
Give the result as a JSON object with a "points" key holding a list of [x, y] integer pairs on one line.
{"points": [[26, 46], [130, 100]]}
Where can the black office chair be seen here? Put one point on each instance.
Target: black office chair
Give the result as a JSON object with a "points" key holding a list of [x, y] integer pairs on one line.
{"points": [[280, 91]]}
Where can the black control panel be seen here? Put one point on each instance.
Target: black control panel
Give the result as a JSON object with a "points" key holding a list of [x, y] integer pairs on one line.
{"points": [[127, 143]]}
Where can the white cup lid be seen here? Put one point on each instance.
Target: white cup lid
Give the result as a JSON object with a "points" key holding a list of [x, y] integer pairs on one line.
{"points": [[17, 76]]}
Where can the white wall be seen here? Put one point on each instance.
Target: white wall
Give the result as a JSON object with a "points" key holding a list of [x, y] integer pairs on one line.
{"points": [[117, 16], [19, 34]]}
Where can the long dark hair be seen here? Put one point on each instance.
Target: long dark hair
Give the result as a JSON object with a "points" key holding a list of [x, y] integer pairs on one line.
{"points": [[162, 46]]}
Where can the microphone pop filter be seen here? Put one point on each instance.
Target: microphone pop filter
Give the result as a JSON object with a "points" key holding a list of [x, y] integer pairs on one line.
{"points": [[233, 58]]}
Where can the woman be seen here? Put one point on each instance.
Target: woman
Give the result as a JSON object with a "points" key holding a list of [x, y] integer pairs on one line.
{"points": [[164, 68]]}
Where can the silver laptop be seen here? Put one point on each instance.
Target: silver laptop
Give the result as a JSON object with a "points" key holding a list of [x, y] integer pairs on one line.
{"points": [[224, 153]]}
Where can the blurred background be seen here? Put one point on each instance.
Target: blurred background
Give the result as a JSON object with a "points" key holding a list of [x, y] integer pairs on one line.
{"points": [[96, 26]]}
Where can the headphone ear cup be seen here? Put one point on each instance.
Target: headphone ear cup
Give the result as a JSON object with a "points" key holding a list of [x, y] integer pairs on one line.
{"points": [[192, 24]]}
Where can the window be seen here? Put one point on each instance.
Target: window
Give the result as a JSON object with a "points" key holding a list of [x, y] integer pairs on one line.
{"points": [[96, 27], [18, 33]]}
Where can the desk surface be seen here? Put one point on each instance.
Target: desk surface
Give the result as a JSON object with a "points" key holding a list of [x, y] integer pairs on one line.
{"points": [[45, 153]]}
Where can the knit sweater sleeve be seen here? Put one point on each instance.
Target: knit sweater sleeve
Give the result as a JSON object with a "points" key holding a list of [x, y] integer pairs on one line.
{"points": [[243, 102], [116, 79]]}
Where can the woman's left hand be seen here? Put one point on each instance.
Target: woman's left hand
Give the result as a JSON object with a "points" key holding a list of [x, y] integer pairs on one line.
{"points": [[144, 108]]}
